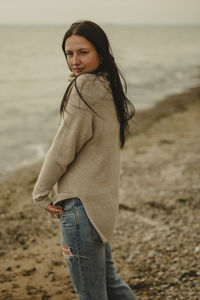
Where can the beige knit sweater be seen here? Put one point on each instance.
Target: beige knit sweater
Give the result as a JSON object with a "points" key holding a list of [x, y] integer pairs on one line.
{"points": [[84, 158]]}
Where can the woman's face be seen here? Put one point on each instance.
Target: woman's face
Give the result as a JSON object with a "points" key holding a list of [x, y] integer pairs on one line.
{"points": [[82, 56]]}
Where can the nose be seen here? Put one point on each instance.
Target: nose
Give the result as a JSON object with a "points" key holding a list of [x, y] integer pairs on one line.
{"points": [[75, 60]]}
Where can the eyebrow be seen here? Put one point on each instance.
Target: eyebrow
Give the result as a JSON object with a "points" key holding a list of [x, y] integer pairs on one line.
{"points": [[80, 49]]}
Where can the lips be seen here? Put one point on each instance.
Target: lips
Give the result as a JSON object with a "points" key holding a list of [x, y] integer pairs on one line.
{"points": [[78, 70]]}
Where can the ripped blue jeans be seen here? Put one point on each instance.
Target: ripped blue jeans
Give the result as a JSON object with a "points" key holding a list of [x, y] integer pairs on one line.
{"points": [[89, 259]]}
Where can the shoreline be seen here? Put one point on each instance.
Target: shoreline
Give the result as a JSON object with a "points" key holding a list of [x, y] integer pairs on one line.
{"points": [[164, 108], [156, 244], [142, 119]]}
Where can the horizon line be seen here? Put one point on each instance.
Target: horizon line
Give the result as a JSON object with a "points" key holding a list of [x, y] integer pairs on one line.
{"points": [[103, 23]]}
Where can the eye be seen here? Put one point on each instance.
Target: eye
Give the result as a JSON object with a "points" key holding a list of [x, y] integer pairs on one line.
{"points": [[69, 53], [83, 52]]}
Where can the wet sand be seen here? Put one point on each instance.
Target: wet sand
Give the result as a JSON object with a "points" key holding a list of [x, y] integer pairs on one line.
{"points": [[156, 245]]}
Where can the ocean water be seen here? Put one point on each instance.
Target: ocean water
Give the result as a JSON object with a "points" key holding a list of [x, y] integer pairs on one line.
{"points": [[155, 60]]}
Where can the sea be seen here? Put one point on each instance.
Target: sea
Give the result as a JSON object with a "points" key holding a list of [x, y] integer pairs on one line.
{"points": [[156, 61]]}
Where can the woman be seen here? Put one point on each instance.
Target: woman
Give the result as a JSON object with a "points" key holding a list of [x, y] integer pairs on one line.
{"points": [[79, 180]]}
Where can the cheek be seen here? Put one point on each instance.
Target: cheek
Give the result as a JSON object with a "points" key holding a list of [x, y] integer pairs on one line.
{"points": [[69, 61], [93, 60]]}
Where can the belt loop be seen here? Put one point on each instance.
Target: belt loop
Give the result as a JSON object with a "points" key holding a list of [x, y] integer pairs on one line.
{"points": [[78, 201]]}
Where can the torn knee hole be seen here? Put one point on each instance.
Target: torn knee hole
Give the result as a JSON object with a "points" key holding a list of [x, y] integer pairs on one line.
{"points": [[66, 251]]}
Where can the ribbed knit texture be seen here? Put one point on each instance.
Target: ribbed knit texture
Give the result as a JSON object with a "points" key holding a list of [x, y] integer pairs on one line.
{"points": [[84, 158]]}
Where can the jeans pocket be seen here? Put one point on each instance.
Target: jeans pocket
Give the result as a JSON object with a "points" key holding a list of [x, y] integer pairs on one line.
{"points": [[95, 237], [67, 218], [67, 205]]}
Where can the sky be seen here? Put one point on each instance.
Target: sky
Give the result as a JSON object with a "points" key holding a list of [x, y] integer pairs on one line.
{"points": [[102, 11]]}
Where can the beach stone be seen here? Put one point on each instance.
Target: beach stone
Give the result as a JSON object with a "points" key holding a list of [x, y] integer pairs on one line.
{"points": [[29, 272]]}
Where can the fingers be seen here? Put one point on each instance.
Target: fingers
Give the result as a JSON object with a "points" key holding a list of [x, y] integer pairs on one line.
{"points": [[51, 209]]}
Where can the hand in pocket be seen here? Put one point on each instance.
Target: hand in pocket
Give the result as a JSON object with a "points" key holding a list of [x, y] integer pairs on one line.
{"points": [[53, 211]]}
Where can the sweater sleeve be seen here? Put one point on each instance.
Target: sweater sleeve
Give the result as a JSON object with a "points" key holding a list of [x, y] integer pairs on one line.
{"points": [[74, 131]]}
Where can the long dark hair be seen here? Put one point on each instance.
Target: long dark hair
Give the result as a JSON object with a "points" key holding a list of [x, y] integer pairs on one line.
{"points": [[95, 35]]}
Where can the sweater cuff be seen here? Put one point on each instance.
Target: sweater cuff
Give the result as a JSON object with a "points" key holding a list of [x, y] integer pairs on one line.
{"points": [[43, 204]]}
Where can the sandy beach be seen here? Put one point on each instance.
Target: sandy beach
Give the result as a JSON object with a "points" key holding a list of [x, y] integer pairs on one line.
{"points": [[156, 245]]}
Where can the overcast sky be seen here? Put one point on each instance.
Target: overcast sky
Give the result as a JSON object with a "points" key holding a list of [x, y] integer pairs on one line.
{"points": [[102, 11]]}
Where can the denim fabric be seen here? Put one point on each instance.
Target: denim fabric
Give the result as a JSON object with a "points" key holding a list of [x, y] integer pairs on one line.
{"points": [[90, 262]]}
